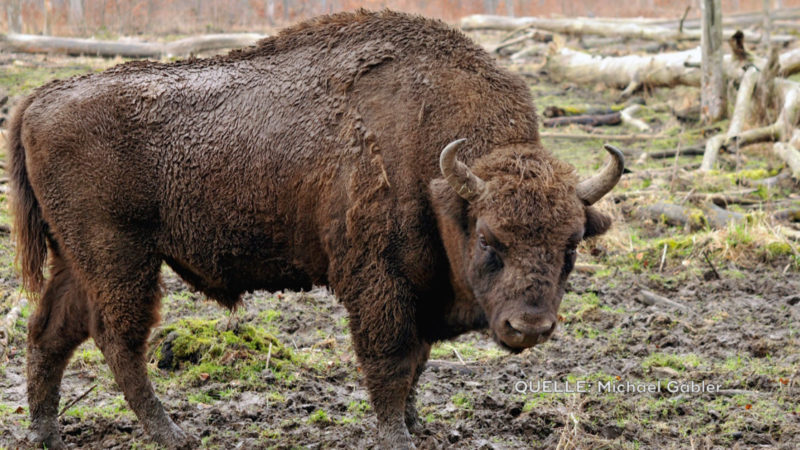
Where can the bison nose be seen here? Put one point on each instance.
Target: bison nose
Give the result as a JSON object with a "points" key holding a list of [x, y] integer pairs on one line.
{"points": [[540, 326]]}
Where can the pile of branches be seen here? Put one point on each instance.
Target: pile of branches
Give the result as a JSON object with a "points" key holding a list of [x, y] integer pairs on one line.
{"points": [[767, 106]]}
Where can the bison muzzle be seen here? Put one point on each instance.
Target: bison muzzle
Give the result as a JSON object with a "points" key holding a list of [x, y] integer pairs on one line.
{"points": [[383, 155]]}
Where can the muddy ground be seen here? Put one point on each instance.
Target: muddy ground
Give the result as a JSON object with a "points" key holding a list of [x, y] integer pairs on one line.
{"points": [[280, 372]]}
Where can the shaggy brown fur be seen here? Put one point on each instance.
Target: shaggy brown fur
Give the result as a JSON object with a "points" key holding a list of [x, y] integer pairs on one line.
{"points": [[309, 159]]}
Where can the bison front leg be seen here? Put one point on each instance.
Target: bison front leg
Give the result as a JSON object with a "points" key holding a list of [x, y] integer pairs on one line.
{"points": [[390, 353]]}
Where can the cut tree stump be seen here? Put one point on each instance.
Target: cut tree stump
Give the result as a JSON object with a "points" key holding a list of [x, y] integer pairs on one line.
{"points": [[28, 43]]}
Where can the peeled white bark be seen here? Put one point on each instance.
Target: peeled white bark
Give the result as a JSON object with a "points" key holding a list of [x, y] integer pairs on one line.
{"points": [[662, 69], [781, 130], [628, 118], [29, 43]]}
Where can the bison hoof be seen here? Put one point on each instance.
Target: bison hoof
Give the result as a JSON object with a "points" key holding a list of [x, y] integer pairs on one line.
{"points": [[46, 437], [396, 439], [172, 437], [413, 423]]}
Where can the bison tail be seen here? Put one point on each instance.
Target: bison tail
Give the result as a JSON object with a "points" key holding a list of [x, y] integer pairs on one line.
{"points": [[29, 226]]}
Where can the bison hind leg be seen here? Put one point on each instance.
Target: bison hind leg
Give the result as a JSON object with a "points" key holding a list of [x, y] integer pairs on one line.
{"points": [[58, 325]]}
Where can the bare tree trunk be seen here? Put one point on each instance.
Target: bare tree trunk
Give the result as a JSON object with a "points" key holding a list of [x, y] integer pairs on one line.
{"points": [[47, 8], [76, 18], [14, 15], [767, 27], [712, 89]]}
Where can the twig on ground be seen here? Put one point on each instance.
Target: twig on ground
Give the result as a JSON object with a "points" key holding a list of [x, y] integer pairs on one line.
{"points": [[710, 264], [76, 400]]}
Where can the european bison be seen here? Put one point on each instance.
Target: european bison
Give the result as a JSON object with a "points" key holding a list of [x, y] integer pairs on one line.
{"points": [[326, 155]]}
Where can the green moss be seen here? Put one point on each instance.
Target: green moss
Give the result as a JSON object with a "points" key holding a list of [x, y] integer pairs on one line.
{"points": [[776, 249], [203, 353]]}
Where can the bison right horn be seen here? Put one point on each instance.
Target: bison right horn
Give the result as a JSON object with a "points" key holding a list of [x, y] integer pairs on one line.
{"points": [[594, 188], [466, 184]]}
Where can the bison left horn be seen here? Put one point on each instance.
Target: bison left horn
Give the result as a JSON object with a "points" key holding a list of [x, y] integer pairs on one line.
{"points": [[466, 184], [594, 188]]}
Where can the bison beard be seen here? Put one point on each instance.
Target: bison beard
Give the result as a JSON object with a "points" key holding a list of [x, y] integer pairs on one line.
{"points": [[313, 158]]}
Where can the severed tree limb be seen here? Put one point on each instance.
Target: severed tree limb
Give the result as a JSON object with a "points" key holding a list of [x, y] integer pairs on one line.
{"points": [[29, 43]]}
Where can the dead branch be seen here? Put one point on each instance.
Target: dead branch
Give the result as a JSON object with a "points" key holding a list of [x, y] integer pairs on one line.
{"points": [[627, 118], [76, 400], [28, 43], [532, 34], [594, 120], [651, 298]]}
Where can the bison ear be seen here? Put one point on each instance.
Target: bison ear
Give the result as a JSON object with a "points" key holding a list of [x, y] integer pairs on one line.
{"points": [[447, 203], [597, 223]]}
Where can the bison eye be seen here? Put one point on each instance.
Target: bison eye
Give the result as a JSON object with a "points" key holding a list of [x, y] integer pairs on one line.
{"points": [[569, 259], [482, 242]]}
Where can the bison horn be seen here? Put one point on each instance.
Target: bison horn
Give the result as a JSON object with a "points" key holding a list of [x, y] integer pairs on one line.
{"points": [[594, 188], [466, 184]]}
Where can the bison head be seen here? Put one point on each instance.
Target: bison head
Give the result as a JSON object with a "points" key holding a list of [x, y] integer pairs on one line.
{"points": [[510, 227]]}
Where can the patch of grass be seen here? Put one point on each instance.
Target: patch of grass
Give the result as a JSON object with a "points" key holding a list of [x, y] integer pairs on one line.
{"points": [[462, 401], [680, 363], [319, 417], [467, 350], [17, 80]]}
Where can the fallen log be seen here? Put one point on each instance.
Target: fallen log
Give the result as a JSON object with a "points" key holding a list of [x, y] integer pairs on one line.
{"points": [[28, 43], [694, 150], [631, 71], [600, 27], [594, 120], [672, 214], [789, 215], [605, 137], [720, 218]]}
